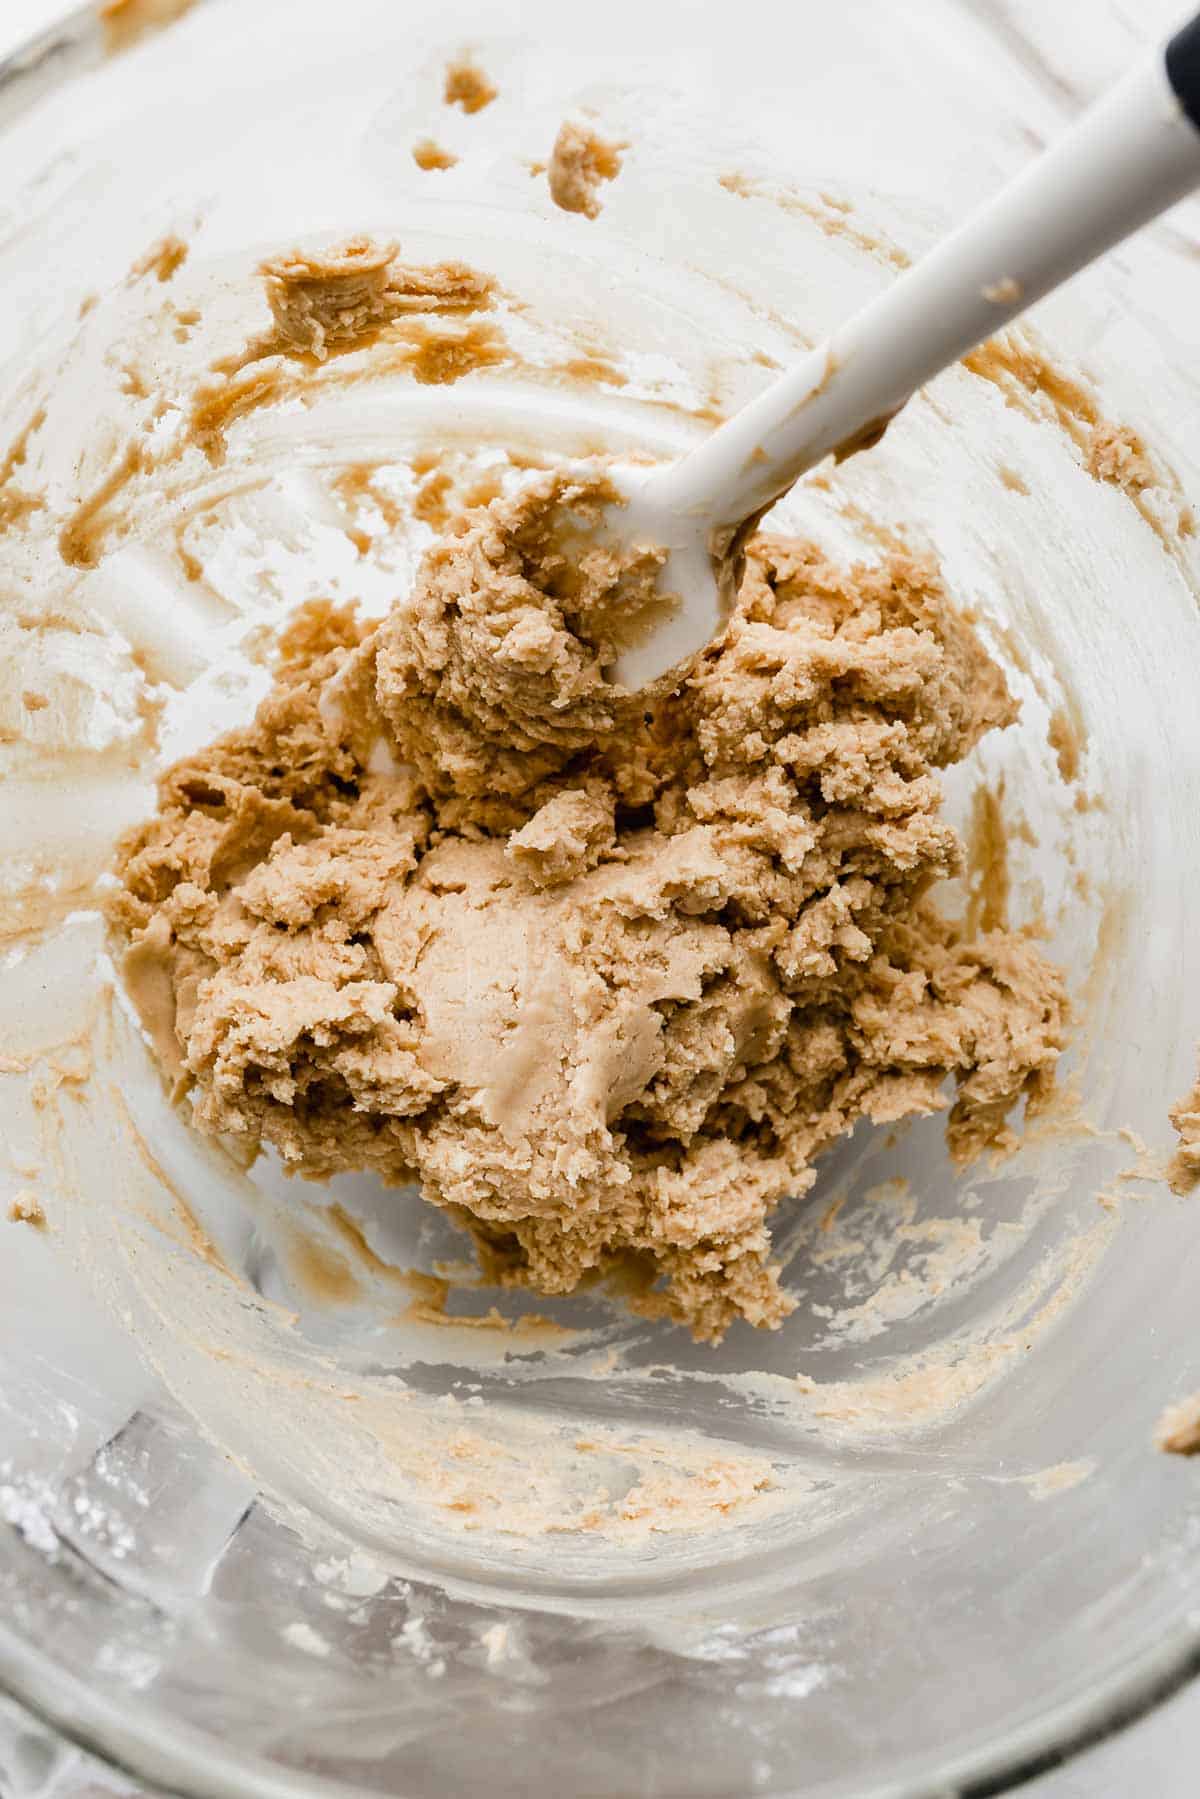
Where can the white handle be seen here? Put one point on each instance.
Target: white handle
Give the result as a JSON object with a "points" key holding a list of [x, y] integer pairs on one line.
{"points": [[1130, 156]]}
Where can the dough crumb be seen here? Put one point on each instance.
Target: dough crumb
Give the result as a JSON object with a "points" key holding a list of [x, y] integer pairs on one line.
{"points": [[26, 1208], [1178, 1431], [1116, 454], [579, 162], [430, 155], [1183, 1169], [467, 86], [606, 973]]}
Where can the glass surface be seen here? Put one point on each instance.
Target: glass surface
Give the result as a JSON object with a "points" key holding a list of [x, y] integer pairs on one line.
{"points": [[273, 1522]]}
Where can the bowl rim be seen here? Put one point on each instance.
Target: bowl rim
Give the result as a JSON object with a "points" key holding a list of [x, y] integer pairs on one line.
{"points": [[194, 1764]]}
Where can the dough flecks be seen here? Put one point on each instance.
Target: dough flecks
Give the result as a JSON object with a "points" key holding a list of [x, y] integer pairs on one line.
{"points": [[604, 972]]}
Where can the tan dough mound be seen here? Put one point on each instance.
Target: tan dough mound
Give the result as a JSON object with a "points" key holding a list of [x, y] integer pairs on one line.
{"points": [[604, 975], [490, 676]]}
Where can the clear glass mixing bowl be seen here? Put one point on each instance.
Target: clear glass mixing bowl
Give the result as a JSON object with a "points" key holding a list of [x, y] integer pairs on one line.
{"points": [[281, 1514]]}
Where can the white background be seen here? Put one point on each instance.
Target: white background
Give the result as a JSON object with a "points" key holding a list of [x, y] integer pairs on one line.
{"points": [[1158, 1758]]}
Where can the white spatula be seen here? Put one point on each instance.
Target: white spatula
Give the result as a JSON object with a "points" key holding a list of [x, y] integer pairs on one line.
{"points": [[1132, 155]]}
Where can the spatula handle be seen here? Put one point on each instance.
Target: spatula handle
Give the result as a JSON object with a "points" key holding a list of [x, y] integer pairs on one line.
{"points": [[1132, 155]]}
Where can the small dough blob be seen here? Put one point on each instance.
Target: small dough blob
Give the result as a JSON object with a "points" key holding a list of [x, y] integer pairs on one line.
{"points": [[429, 154], [604, 972], [1183, 1169], [467, 86], [579, 162]]}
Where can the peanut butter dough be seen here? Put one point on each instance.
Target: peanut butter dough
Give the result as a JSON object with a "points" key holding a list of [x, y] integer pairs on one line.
{"points": [[579, 162], [467, 86], [1178, 1431], [334, 299], [429, 154], [603, 972], [1183, 1169]]}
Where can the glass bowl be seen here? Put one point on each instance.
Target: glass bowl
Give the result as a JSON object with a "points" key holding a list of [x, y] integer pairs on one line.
{"points": [[291, 1504]]}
